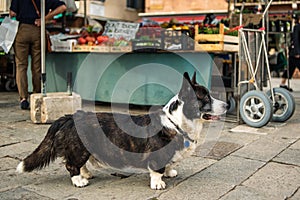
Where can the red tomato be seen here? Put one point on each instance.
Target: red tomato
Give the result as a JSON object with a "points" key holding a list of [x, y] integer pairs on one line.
{"points": [[81, 40]]}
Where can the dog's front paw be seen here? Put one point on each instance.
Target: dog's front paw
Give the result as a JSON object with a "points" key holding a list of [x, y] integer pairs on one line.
{"points": [[170, 173], [158, 184], [79, 181]]}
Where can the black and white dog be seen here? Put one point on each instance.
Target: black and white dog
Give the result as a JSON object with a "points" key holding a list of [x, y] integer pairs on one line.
{"points": [[131, 143]]}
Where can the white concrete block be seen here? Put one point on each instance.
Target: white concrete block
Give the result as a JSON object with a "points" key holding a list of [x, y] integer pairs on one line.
{"points": [[46, 109]]}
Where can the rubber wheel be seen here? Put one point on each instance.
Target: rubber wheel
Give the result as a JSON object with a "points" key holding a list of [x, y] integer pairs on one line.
{"points": [[10, 85], [255, 108], [284, 106], [232, 105]]}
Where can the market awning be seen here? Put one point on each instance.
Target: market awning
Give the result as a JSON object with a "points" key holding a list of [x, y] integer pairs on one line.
{"points": [[183, 17]]}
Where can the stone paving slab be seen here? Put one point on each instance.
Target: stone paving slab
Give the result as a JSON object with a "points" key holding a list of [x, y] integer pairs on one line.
{"points": [[277, 181], [7, 163], [6, 140], [21, 193], [289, 156], [245, 193], [238, 137], [11, 180], [296, 196], [265, 148], [19, 150], [26, 131], [296, 145], [216, 180]]}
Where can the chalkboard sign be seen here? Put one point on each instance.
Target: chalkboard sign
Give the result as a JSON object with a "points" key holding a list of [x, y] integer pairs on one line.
{"points": [[117, 29]]}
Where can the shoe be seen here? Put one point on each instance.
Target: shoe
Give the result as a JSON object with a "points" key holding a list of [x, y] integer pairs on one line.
{"points": [[24, 105], [286, 87]]}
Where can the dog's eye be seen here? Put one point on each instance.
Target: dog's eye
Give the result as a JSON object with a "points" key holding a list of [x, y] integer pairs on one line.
{"points": [[206, 99]]}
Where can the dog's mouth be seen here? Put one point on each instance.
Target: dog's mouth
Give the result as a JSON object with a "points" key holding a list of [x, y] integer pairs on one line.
{"points": [[207, 116]]}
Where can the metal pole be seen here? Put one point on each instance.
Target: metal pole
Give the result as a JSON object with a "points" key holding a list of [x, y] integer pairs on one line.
{"points": [[84, 12], [43, 69]]}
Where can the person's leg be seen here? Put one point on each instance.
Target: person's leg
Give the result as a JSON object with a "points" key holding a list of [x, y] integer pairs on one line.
{"points": [[21, 48], [293, 62], [36, 60]]}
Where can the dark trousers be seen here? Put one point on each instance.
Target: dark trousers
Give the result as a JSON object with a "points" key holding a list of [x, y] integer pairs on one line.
{"points": [[28, 42], [293, 63]]}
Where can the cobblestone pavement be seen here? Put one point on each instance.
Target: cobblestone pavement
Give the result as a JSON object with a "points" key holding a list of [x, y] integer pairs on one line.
{"points": [[234, 162]]}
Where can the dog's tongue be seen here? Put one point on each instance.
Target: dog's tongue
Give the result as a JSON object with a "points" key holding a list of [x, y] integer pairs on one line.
{"points": [[211, 117]]}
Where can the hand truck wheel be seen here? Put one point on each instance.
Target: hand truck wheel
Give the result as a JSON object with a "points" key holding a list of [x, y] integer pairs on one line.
{"points": [[284, 105], [256, 108]]}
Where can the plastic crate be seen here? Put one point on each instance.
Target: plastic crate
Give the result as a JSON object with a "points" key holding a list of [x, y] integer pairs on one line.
{"points": [[149, 33]]}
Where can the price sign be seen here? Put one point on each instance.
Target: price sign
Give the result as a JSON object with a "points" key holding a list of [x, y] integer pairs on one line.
{"points": [[117, 30]]}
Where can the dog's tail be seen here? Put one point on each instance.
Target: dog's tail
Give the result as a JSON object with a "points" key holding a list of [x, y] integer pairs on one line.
{"points": [[45, 152]]}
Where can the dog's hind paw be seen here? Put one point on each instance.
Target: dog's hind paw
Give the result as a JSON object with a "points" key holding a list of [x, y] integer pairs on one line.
{"points": [[170, 173], [85, 173], [79, 181]]}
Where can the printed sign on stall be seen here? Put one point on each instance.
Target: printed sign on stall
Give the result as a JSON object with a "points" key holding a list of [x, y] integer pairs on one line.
{"points": [[117, 30]]}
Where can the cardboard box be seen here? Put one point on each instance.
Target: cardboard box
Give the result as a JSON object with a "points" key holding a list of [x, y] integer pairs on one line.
{"points": [[63, 46]]}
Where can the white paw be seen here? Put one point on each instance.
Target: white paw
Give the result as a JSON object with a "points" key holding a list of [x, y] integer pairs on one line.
{"points": [[79, 181], [170, 173], [156, 183]]}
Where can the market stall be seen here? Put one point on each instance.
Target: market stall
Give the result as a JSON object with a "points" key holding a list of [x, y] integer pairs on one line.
{"points": [[129, 63]]}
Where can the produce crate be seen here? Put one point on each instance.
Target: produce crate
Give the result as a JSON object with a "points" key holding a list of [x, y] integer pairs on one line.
{"points": [[120, 48], [146, 45], [216, 42], [177, 40], [153, 33], [98, 48], [81, 48]]}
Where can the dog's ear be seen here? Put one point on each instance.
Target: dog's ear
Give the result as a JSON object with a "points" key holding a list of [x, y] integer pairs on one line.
{"points": [[186, 76], [186, 86], [194, 78]]}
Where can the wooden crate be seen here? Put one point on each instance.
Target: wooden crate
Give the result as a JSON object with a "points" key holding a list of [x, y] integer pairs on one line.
{"points": [[216, 42]]}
